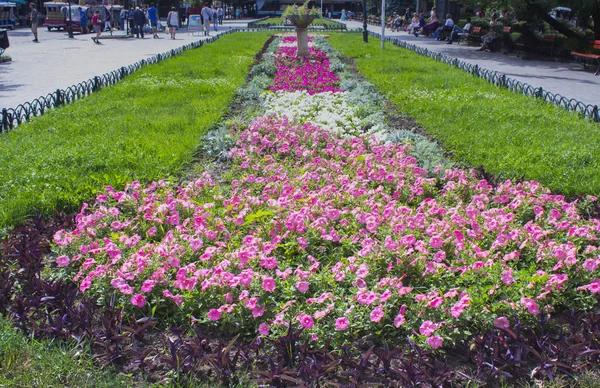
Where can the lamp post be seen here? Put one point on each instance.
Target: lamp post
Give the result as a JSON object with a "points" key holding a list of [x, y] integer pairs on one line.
{"points": [[365, 32], [382, 22], [70, 22]]}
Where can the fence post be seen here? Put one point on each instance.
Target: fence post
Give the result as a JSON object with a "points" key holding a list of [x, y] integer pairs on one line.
{"points": [[123, 72], [476, 70], [539, 92], [596, 114], [59, 99], [4, 126], [96, 85]]}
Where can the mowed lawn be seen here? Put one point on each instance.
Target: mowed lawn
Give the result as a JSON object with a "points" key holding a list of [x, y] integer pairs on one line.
{"points": [[147, 127], [510, 135]]}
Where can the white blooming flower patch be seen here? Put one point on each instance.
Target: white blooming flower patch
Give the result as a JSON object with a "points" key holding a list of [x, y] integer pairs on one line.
{"points": [[328, 110]]}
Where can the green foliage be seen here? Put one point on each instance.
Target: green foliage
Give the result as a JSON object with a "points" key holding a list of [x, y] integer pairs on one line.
{"points": [[272, 22], [481, 124], [28, 363], [144, 128], [302, 10]]}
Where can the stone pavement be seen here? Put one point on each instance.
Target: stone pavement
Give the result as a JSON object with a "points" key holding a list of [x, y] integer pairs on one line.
{"points": [[567, 79], [58, 62]]}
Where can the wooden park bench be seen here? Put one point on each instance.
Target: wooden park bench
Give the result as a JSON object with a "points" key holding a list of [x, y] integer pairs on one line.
{"points": [[549, 44], [583, 58], [474, 37]]}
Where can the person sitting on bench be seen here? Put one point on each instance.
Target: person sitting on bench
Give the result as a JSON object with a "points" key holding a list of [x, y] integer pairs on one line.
{"points": [[456, 30], [430, 27], [446, 28]]}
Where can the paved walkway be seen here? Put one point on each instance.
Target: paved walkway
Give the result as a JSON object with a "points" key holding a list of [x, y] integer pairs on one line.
{"points": [[58, 62], [566, 79]]}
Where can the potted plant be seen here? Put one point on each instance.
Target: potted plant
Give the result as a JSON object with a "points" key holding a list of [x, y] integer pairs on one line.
{"points": [[301, 17]]}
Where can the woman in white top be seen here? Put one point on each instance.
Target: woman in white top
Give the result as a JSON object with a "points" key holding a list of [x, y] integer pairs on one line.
{"points": [[414, 24], [172, 22]]}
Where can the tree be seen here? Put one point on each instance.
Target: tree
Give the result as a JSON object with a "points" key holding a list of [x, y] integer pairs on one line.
{"points": [[530, 10]]}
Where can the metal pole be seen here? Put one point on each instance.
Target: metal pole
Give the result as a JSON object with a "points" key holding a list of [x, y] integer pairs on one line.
{"points": [[321, 8], [382, 22], [70, 22], [365, 32]]}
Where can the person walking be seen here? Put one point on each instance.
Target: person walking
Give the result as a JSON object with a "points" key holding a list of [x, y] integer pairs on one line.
{"points": [[107, 20], [172, 22], [215, 18], [83, 21], [97, 26], [122, 17], [206, 14], [153, 16], [140, 21], [33, 17], [220, 15]]}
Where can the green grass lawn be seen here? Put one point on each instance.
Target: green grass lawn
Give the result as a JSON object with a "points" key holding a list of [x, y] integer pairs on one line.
{"points": [[29, 363], [510, 135], [146, 127]]}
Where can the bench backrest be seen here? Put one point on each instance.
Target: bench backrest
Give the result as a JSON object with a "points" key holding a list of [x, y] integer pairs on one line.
{"points": [[507, 29], [550, 38], [475, 30], [596, 44]]}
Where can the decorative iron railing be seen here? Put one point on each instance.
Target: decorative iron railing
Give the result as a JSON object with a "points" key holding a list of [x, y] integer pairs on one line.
{"points": [[501, 80], [12, 117]]}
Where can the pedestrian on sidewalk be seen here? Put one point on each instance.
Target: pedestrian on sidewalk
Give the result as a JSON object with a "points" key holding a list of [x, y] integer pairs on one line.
{"points": [[107, 20], [220, 15], [97, 26], [215, 18], [83, 21], [122, 17], [153, 17], [172, 22], [140, 21], [33, 17], [206, 14]]}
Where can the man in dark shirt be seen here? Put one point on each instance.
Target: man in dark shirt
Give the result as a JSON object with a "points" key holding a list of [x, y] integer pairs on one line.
{"points": [[140, 21], [33, 16]]}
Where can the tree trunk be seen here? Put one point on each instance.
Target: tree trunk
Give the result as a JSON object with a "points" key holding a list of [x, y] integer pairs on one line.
{"points": [[596, 17], [558, 26]]}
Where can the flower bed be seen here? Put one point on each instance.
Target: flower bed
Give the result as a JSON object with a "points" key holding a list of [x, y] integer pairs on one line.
{"points": [[340, 235]]}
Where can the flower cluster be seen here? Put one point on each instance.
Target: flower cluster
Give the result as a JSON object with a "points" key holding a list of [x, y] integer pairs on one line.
{"points": [[310, 74], [339, 235]]}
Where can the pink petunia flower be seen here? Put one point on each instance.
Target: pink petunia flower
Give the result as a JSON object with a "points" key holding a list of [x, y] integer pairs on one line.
{"points": [[268, 284], [214, 315], [302, 286], [435, 341], [501, 323], [306, 321], [341, 323], [62, 261], [530, 305], [138, 300], [263, 329], [377, 314], [427, 328]]}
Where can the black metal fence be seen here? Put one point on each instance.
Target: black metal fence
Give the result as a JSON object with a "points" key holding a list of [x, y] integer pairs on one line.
{"points": [[501, 80], [12, 117]]}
